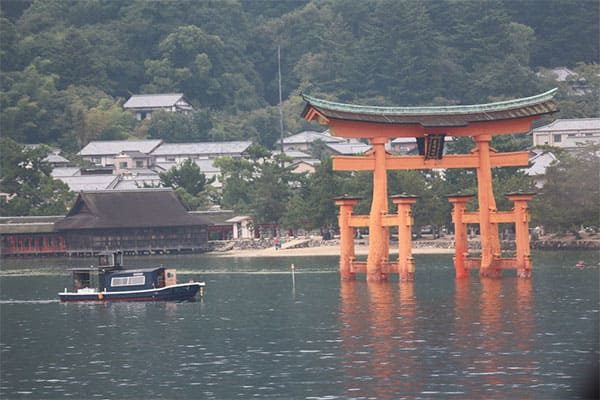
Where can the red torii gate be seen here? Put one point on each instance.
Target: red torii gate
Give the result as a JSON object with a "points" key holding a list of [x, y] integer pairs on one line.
{"points": [[429, 125]]}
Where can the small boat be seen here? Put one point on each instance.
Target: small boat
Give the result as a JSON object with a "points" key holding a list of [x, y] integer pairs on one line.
{"points": [[110, 281]]}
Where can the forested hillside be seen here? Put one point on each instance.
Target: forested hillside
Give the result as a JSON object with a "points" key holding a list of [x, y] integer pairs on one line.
{"points": [[67, 66]]}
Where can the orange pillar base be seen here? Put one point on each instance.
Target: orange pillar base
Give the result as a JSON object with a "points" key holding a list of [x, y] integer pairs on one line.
{"points": [[346, 204], [461, 245], [406, 262], [522, 232], [490, 272], [406, 275], [377, 276]]}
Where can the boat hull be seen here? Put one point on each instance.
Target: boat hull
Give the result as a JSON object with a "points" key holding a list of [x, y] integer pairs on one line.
{"points": [[179, 292]]}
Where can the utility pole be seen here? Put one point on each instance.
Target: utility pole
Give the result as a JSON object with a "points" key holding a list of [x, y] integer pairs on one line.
{"points": [[280, 99]]}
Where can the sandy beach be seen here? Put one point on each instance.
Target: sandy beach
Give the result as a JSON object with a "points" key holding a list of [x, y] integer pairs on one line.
{"points": [[314, 251]]}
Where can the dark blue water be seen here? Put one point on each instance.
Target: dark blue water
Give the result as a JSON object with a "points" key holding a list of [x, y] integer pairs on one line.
{"points": [[255, 336]]}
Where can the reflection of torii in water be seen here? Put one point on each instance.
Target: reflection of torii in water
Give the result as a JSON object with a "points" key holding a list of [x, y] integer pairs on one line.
{"points": [[429, 126]]}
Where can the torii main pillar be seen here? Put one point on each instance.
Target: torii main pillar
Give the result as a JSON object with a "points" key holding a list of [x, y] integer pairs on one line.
{"points": [[490, 242], [378, 238]]}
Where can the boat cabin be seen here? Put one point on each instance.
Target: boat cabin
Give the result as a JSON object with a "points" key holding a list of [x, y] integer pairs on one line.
{"points": [[110, 276], [138, 279], [110, 259]]}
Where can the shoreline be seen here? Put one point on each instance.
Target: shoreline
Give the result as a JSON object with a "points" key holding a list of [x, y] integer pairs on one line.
{"points": [[314, 252]]}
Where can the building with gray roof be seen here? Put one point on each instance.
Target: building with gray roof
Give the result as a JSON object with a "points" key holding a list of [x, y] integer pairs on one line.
{"points": [[538, 164], [179, 152], [304, 141], [568, 133], [90, 182], [143, 105], [56, 160], [104, 152], [65, 171], [348, 148], [113, 147]]}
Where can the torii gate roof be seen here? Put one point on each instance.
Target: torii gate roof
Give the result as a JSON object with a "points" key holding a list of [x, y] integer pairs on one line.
{"points": [[434, 117]]}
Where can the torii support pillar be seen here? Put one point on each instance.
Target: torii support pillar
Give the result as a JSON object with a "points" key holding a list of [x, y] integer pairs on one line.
{"points": [[406, 263], [461, 246], [521, 214], [346, 205]]}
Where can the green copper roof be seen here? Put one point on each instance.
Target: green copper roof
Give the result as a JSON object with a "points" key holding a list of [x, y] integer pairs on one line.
{"points": [[434, 117], [431, 110]]}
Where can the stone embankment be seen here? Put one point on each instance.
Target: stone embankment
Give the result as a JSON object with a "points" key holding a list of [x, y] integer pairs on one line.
{"points": [[554, 244], [474, 244]]}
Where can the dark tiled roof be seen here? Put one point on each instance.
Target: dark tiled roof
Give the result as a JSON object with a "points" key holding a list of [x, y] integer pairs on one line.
{"points": [[435, 116], [128, 209], [216, 217]]}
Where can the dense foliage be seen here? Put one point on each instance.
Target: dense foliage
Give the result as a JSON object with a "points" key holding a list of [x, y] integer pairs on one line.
{"points": [[569, 199], [190, 183], [25, 172], [66, 68]]}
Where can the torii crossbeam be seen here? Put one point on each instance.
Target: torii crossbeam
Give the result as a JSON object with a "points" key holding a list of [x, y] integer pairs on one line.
{"points": [[429, 126]]}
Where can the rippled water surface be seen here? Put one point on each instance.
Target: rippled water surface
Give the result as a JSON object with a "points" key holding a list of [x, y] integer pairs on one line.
{"points": [[255, 335]]}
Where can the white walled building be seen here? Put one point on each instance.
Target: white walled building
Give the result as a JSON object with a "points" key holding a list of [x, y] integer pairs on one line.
{"points": [[304, 141], [103, 153], [568, 133], [179, 152]]}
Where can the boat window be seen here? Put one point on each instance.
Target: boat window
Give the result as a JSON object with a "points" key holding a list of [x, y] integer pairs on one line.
{"points": [[128, 281], [81, 280]]}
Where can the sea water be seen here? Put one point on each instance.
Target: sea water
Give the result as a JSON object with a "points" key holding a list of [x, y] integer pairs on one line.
{"points": [[258, 333]]}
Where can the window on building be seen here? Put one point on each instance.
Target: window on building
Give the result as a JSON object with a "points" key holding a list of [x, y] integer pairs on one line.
{"points": [[139, 163], [123, 164], [557, 138]]}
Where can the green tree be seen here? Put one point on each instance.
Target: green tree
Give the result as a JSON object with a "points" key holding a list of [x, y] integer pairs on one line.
{"points": [[569, 198], [187, 176], [25, 177], [578, 95], [180, 128], [236, 176], [30, 105], [319, 205], [189, 182], [270, 192], [258, 183]]}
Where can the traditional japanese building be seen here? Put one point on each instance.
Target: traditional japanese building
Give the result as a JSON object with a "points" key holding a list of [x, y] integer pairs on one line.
{"points": [[136, 221], [143, 105], [22, 236]]}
